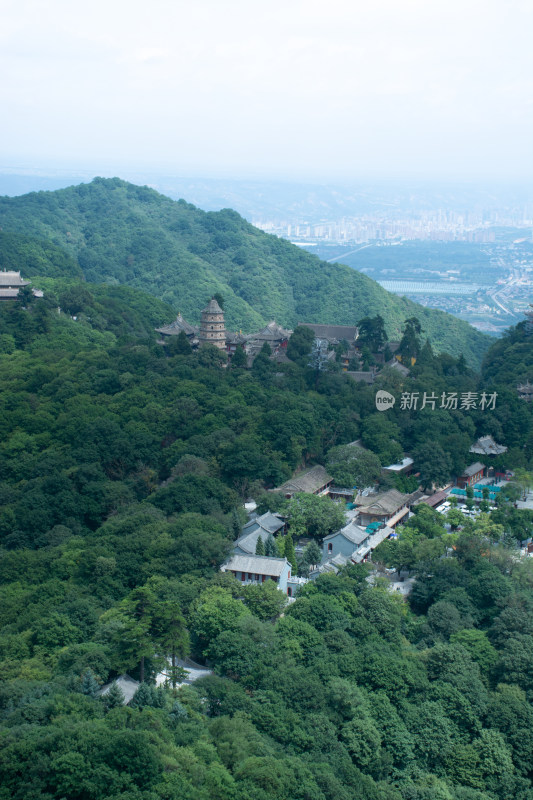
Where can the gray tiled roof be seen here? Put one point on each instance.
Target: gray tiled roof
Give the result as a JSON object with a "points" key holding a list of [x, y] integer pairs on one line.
{"points": [[339, 560], [212, 307], [176, 327], [235, 338], [308, 482], [362, 375], [338, 332], [486, 445], [358, 556], [248, 541], [270, 522], [11, 278], [386, 503], [331, 565], [258, 527], [128, 686], [473, 468], [271, 332], [354, 533], [262, 565], [401, 368]]}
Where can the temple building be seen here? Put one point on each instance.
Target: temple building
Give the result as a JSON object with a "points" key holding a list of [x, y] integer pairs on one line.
{"points": [[10, 283], [273, 334], [175, 328], [486, 446], [334, 334]]}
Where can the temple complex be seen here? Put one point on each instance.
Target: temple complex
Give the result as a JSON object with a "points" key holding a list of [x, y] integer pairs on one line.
{"points": [[213, 331]]}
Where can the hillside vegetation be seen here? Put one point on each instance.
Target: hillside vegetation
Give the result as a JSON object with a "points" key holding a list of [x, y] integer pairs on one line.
{"points": [[122, 470], [121, 233]]}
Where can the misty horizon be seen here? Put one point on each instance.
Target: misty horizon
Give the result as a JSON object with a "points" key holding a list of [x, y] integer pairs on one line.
{"points": [[301, 91]]}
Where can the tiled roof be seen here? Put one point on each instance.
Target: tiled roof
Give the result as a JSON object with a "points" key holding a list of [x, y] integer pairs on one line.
{"points": [[262, 565], [128, 686], [235, 338], [331, 565], [386, 503], [486, 445], [403, 464], [176, 327], [308, 482], [401, 368], [354, 533], [271, 332], [362, 375], [259, 527], [379, 536], [270, 522], [435, 499], [11, 278], [330, 332], [212, 307], [359, 555], [248, 541], [473, 469]]}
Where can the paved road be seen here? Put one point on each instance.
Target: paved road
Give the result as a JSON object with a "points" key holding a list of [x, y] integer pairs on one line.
{"points": [[527, 503], [349, 253]]}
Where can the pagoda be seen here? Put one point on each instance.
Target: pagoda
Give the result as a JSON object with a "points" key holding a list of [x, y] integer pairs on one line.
{"points": [[212, 328]]}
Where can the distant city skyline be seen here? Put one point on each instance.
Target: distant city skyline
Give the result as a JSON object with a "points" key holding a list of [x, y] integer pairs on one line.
{"points": [[294, 90]]}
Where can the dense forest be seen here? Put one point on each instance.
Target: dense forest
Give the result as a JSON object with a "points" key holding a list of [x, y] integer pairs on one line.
{"points": [[123, 468], [119, 233]]}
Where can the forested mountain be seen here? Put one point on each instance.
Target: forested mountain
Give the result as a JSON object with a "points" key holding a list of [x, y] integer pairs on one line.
{"points": [[509, 360], [122, 470], [32, 256], [121, 233], [123, 467]]}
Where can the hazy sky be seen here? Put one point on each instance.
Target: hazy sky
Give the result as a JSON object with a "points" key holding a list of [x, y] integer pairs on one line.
{"points": [[320, 89]]}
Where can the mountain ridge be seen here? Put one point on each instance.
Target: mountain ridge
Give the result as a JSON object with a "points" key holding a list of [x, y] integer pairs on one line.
{"points": [[118, 232]]}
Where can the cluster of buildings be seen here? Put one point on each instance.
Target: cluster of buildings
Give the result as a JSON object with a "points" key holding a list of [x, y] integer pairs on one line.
{"points": [[212, 330], [371, 518], [440, 225]]}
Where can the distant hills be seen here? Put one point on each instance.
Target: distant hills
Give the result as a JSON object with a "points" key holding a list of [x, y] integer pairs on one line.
{"points": [[119, 233]]}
